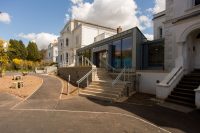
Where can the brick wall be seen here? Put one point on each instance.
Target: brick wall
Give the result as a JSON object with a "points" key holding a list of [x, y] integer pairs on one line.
{"points": [[75, 73]]}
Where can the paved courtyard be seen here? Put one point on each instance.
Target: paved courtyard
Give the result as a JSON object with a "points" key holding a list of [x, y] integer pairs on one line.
{"points": [[44, 112]]}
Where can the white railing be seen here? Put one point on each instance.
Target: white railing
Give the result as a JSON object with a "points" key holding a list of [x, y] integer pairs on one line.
{"points": [[123, 72], [165, 87], [108, 66], [86, 76], [83, 61], [77, 61]]}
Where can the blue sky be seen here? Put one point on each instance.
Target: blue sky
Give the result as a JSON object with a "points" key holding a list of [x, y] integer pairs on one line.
{"points": [[46, 16]]}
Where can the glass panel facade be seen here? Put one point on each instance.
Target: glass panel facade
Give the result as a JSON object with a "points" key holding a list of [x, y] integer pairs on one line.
{"points": [[116, 54], [153, 55], [122, 53], [127, 52], [156, 55]]}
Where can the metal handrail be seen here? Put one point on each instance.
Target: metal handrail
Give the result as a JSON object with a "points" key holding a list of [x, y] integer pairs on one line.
{"points": [[84, 61], [175, 74], [108, 65], [119, 76], [91, 63], [84, 77]]}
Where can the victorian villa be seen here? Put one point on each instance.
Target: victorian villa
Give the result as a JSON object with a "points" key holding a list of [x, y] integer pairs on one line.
{"points": [[77, 34]]}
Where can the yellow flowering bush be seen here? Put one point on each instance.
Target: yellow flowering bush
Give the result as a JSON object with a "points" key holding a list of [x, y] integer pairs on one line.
{"points": [[18, 63]]}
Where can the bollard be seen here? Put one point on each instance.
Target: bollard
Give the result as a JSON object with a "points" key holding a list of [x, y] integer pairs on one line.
{"points": [[68, 85]]}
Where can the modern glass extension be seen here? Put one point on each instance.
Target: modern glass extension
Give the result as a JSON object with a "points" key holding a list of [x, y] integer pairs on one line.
{"points": [[122, 53]]}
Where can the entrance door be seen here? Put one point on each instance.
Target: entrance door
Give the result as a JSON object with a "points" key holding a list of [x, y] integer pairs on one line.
{"points": [[197, 55], [101, 58]]}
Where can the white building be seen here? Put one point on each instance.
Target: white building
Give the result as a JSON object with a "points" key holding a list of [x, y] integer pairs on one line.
{"points": [[179, 24], [77, 34], [52, 52]]}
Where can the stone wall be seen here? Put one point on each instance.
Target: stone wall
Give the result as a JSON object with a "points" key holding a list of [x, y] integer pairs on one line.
{"points": [[75, 73]]}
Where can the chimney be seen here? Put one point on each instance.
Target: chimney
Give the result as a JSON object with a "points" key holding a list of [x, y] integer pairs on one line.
{"points": [[119, 29]]}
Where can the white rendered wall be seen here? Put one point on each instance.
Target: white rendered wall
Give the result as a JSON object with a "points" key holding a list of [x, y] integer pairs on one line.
{"points": [[158, 23], [147, 82], [89, 33]]}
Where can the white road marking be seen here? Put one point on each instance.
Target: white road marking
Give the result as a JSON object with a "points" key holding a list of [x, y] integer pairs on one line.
{"points": [[93, 112]]}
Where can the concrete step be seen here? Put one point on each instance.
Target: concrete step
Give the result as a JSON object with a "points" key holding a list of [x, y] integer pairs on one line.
{"points": [[117, 90], [104, 98], [184, 90], [107, 82], [113, 91], [106, 94], [189, 83], [180, 102], [181, 98], [190, 86], [189, 95], [105, 87]]}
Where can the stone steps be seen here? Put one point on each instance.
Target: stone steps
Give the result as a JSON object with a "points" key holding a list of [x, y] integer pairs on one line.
{"points": [[184, 93], [102, 88]]}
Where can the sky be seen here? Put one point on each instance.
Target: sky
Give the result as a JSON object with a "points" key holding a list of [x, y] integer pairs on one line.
{"points": [[42, 20]]}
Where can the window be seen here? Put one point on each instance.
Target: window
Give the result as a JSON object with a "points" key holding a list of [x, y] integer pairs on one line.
{"points": [[160, 32], [197, 2], [61, 45], [156, 55], [116, 54], [61, 58], [67, 57], [127, 52], [49, 54], [67, 42]]}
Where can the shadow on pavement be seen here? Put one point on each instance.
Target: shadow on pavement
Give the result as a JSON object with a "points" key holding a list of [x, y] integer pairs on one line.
{"points": [[142, 106]]}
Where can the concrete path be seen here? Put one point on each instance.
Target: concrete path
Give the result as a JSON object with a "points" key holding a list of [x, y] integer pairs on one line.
{"points": [[44, 112], [46, 97]]}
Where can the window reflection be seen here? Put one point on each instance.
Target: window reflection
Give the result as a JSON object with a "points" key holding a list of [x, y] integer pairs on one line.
{"points": [[127, 52], [122, 53]]}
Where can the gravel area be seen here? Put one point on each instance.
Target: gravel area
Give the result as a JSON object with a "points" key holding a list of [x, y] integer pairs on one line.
{"points": [[31, 83]]}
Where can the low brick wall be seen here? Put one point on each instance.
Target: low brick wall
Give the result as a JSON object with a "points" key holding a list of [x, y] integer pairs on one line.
{"points": [[75, 73]]}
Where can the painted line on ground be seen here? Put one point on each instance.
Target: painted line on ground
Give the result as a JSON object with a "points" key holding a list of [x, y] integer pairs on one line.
{"points": [[28, 96], [93, 112]]}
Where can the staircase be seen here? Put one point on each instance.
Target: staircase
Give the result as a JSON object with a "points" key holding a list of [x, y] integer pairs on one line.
{"points": [[184, 93], [102, 88]]}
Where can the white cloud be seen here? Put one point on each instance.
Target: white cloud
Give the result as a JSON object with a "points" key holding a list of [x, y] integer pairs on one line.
{"points": [[146, 21], [109, 13], [159, 6], [41, 39], [149, 36], [77, 1], [5, 18]]}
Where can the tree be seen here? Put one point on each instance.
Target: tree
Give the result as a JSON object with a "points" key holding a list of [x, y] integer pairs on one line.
{"points": [[33, 53], [22, 50], [42, 54], [17, 49], [3, 58]]}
